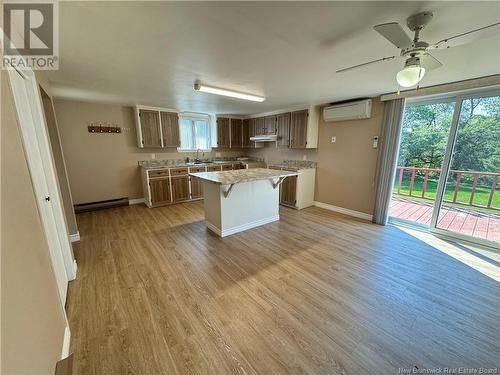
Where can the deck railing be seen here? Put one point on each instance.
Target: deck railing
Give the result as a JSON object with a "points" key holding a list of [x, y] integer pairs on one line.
{"points": [[458, 180]]}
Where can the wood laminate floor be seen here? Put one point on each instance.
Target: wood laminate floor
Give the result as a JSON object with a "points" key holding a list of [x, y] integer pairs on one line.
{"points": [[315, 293]]}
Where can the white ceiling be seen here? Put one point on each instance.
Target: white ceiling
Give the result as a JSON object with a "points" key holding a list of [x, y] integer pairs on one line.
{"points": [[152, 53]]}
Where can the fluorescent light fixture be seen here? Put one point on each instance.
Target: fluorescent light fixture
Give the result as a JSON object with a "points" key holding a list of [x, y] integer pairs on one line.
{"points": [[230, 93]]}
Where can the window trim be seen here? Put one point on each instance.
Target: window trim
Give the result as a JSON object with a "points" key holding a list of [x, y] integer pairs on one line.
{"points": [[193, 117]]}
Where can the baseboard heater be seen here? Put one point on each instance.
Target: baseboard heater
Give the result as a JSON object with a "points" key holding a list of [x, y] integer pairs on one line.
{"points": [[93, 206]]}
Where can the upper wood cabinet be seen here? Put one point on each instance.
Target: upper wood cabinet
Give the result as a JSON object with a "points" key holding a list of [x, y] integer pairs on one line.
{"points": [[304, 128], [236, 133], [157, 127], [149, 128], [259, 124], [298, 129], [170, 129], [248, 131], [223, 132], [270, 125], [283, 126]]}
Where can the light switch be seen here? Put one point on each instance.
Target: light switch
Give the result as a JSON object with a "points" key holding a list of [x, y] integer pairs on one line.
{"points": [[333, 140], [375, 141]]}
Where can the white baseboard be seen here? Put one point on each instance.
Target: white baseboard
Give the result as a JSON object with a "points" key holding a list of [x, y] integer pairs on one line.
{"points": [[241, 228], [345, 211], [66, 342], [74, 237], [136, 201]]}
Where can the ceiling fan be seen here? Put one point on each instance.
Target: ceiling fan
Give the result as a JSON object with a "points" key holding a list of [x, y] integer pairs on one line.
{"points": [[418, 59]]}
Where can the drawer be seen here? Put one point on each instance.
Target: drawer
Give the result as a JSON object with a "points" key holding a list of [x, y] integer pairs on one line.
{"points": [[274, 167], [178, 171], [239, 166], [227, 167], [158, 173], [213, 168], [196, 169]]}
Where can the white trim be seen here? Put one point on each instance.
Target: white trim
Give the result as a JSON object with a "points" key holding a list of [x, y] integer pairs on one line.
{"points": [[75, 237], [136, 201], [243, 227], [342, 210], [66, 342]]}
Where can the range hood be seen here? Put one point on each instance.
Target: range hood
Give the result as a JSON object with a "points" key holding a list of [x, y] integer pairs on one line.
{"points": [[264, 138]]}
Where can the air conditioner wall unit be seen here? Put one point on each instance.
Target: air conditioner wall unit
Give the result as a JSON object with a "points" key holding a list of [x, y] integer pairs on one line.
{"points": [[361, 109]]}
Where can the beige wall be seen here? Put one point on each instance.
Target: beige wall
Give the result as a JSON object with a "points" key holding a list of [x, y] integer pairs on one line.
{"points": [[104, 166], [346, 170], [32, 324]]}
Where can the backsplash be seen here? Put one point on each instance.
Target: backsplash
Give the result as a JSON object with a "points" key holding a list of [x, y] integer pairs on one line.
{"points": [[167, 162]]}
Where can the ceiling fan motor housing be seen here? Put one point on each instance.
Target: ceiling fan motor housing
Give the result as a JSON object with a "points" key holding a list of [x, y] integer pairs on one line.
{"points": [[419, 21]]}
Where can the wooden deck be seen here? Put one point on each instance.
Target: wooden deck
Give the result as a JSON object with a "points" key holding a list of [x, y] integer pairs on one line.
{"points": [[476, 224]]}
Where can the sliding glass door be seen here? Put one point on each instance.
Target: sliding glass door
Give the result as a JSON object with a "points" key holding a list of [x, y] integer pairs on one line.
{"points": [[470, 203], [448, 172], [424, 137]]}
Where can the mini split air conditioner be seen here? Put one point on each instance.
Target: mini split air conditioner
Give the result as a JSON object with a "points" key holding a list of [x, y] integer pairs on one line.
{"points": [[361, 109]]}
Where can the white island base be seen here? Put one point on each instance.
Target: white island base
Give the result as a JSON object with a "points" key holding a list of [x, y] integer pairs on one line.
{"points": [[248, 205]]}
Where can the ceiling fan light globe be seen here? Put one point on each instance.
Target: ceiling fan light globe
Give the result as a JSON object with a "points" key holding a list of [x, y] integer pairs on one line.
{"points": [[410, 75]]}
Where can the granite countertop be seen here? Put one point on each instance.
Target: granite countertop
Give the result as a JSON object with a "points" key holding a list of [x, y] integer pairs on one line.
{"points": [[294, 165], [242, 175], [149, 166]]}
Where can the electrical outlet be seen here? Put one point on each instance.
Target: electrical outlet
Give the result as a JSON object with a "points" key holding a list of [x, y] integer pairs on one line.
{"points": [[153, 156], [375, 141], [333, 140], [304, 157]]}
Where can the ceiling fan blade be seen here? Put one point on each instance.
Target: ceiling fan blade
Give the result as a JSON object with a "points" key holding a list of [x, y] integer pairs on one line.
{"points": [[394, 33], [366, 63], [467, 37], [429, 62]]}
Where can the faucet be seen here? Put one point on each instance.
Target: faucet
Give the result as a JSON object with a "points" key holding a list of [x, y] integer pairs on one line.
{"points": [[197, 160]]}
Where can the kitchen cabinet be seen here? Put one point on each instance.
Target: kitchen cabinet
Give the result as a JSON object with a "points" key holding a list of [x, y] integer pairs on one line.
{"points": [[157, 127], [170, 129], [223, 132], [288, 192], [297, 191], [160, 191], [298, 129], [247, 130], [196, 188], [270, 125], [180, 188], [149, 128], [259, 124], [283, 126], [236, 133], [214, 168]]}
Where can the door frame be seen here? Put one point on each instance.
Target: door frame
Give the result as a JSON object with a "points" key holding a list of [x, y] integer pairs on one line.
{"points": [[458, 98], [42, 170]]}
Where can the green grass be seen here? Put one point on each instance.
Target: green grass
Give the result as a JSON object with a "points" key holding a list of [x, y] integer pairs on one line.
{"points": [[481, 195]]}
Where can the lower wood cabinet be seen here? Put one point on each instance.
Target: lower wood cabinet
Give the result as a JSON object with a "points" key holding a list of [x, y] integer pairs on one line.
{"points": [[196, 188], [180, 188], [172, 185], [289, 191], [160, 191]]}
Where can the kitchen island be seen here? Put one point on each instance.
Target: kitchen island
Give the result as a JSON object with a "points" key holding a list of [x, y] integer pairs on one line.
{"points": [[241, 199]]}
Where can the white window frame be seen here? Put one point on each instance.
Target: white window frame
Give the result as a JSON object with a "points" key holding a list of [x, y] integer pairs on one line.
{"points": [[193, 117]]}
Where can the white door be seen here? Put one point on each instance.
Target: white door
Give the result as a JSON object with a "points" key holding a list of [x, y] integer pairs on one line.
{"points": [[37, 148]]}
